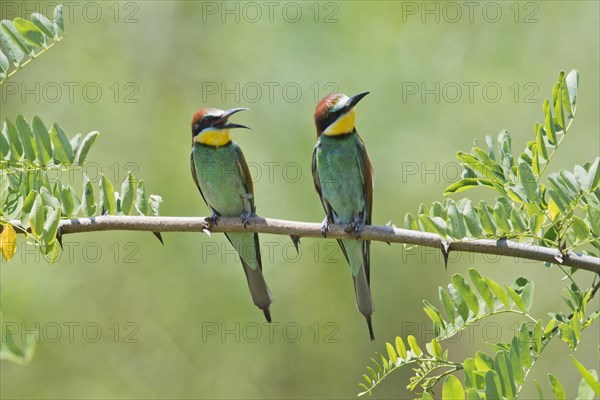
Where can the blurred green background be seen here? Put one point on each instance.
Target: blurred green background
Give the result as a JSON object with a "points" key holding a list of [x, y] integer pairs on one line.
{"points": [[176, 321]]}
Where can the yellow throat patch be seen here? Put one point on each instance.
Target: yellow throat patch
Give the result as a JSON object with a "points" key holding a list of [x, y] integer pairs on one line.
{"points": [[215, 138], [342, 125]]}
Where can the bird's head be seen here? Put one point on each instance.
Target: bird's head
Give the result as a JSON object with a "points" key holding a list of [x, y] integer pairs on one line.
{"points": [[335, 114], [210, 126]]}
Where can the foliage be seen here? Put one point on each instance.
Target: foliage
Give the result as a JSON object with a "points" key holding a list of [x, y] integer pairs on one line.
{"points": [[38, 167], [502, 373], [563, 213], [28, 152], [24, 40]]}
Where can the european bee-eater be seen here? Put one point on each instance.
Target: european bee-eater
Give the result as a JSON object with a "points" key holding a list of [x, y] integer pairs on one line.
{"points": [[343, 179], [221, 174]]}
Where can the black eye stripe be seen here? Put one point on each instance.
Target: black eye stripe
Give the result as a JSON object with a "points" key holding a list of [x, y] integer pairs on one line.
{"points": [[329, 119]]}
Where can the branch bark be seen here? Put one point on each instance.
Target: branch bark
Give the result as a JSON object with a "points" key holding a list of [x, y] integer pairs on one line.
{"points": [[387, 234]]}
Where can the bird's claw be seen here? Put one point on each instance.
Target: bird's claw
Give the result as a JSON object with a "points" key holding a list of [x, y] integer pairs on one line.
{"points": [[355, 227], [350, 227], [213, 219], [325, 227], [246, 218]]}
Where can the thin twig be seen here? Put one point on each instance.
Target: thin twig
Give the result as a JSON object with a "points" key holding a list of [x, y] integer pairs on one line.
{"points": [[386, 234]]}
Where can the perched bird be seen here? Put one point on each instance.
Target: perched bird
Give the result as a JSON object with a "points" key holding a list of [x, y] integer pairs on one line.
{"points": [[221, 174], [343, 178]]}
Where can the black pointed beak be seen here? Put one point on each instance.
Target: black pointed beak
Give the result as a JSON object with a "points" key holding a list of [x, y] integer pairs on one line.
{"points": [[233, 126], [222, 123], [353, 101]]}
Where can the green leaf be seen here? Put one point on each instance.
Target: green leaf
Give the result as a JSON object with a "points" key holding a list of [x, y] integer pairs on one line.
{"points": [[438, 210], [67, 202], [549, 123], [13, 51], [58, 18], [75, 143], [593, 177], [456, 225], [482, 288], [4, 146], [433, 224], [48, 235], [585, 392], [127, 194], [410, 222], [540, 142], [536, 336], [452, 389], [36, 217], [43, 24], [472, 220], [63, 152], [572, 82], [42, 140], [567, 334], [27, 206], [9, 29], [459, 302], [557, 388], [391, 353], [485, 216], [518, 222], [466, 292], [516, 298], [464, 184], [414, 346], [435, 348], [29, 32], [527, 295], [483, 362], [493, 387], [4, 65], [472, 394], [471, 378], [107, 196], [141, 201], [88, 200], [85, 147], [16, 149], [504, 370], [27, 139], [515, 360], [586, 375], [433, 313], [448, 304], [48, 198], [498, 291], [580, 229], [501, 217], [401, 348], [155, 201], [593, 218], [529, 182]]}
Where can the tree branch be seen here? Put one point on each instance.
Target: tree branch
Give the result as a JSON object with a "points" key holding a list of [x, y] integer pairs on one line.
{"points": [[387, 234]]}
